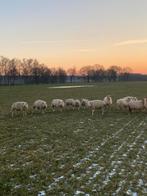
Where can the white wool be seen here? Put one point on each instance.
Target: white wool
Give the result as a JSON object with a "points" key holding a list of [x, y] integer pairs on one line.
{"points": [[84, 103], [57, 103], [100, 104], [40, 105], [77, 103], [122, 103], [138, 104], [72, 103], [20, 106]]}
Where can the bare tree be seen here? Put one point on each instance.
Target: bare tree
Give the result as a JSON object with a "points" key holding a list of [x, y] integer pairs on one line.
{"points": [[72, 73], [86, 72]]}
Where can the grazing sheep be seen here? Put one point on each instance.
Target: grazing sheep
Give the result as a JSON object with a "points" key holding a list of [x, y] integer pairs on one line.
{"points": [[130, 98], [20, 106], [123, 102], [100, 104], [77, 103], [70, 103], [84, 103], [108, 100], [73, 103], [40, 105], [57, 104], [137, 104]]}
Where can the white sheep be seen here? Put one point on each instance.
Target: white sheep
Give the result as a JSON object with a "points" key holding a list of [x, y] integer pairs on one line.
{"points": [[57, 104], [40, 105], [130, 98], [19, 106], [84, 103], [77, 103], [100, 104], [70, 103], [123, 102], [108, 100], [137, 104]]}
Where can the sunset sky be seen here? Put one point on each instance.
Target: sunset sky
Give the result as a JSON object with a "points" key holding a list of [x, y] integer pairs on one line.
{"points": [[76, 32]]}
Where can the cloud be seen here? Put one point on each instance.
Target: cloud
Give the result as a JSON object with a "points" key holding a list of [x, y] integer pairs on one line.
{"points": [[49, 41], [131, 42]]}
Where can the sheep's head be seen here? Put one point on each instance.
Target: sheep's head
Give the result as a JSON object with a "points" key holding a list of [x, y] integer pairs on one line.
{"points": [[84, 102], [108, 100]]}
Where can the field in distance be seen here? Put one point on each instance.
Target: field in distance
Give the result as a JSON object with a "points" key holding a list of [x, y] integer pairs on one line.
{"points": [[72, 152]]}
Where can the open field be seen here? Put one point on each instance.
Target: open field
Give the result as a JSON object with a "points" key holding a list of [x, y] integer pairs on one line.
{"points": [[73, 153]]}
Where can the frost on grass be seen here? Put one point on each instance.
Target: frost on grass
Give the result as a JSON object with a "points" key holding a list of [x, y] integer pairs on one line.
{"points": [[41, 193], [130, 192], [81, 193]]}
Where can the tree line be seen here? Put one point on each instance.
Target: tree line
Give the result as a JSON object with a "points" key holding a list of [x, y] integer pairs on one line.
{"points": [[32, 71]]}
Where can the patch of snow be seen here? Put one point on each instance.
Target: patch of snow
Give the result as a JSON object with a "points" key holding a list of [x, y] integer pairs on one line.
{"points": [[140, 182], [68, 87], [33, 176], [18, 186], [41, 193], [129, 192], [79, 192]]}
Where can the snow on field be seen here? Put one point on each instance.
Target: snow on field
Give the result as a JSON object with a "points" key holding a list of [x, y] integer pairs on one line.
{"points": [[64, 87], [117, 162], [116, 165], [101, 164], [116, 159], [41, 193], [91, 153]]}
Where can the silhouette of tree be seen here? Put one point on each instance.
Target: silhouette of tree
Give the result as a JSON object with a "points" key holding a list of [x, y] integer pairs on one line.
{"points": [[72, 72]]}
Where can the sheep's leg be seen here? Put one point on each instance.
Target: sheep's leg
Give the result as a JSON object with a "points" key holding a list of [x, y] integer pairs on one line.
{"points": [[92, 112], [52, 107], [12, 114], [130, 110], [102, 111]]}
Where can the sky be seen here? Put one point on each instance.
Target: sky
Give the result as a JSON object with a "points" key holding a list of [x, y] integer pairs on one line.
{"points": [[69, 33]]}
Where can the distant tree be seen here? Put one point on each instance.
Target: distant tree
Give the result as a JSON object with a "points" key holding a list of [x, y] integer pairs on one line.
{"points": [[3, 65], [12, 70], [98, 73], [113, 72], [61, 75], [72, 72], [26, 67], [126, 71], [86, 72]]}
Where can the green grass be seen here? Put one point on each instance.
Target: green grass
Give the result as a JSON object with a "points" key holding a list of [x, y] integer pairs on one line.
{"points": [[62, 153]]}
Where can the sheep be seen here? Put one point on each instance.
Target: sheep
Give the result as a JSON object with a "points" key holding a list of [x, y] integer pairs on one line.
{"points": [[73, 103], [137, 104], [19, 106], [84, 103], [57, 104], [130, 98], [100, 104], [40, 105], [70, 103], [123, 102], [77, 103], [108, 100]]}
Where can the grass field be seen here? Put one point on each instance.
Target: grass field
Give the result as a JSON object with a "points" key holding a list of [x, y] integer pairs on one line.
{"points": [[73, 153]]}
